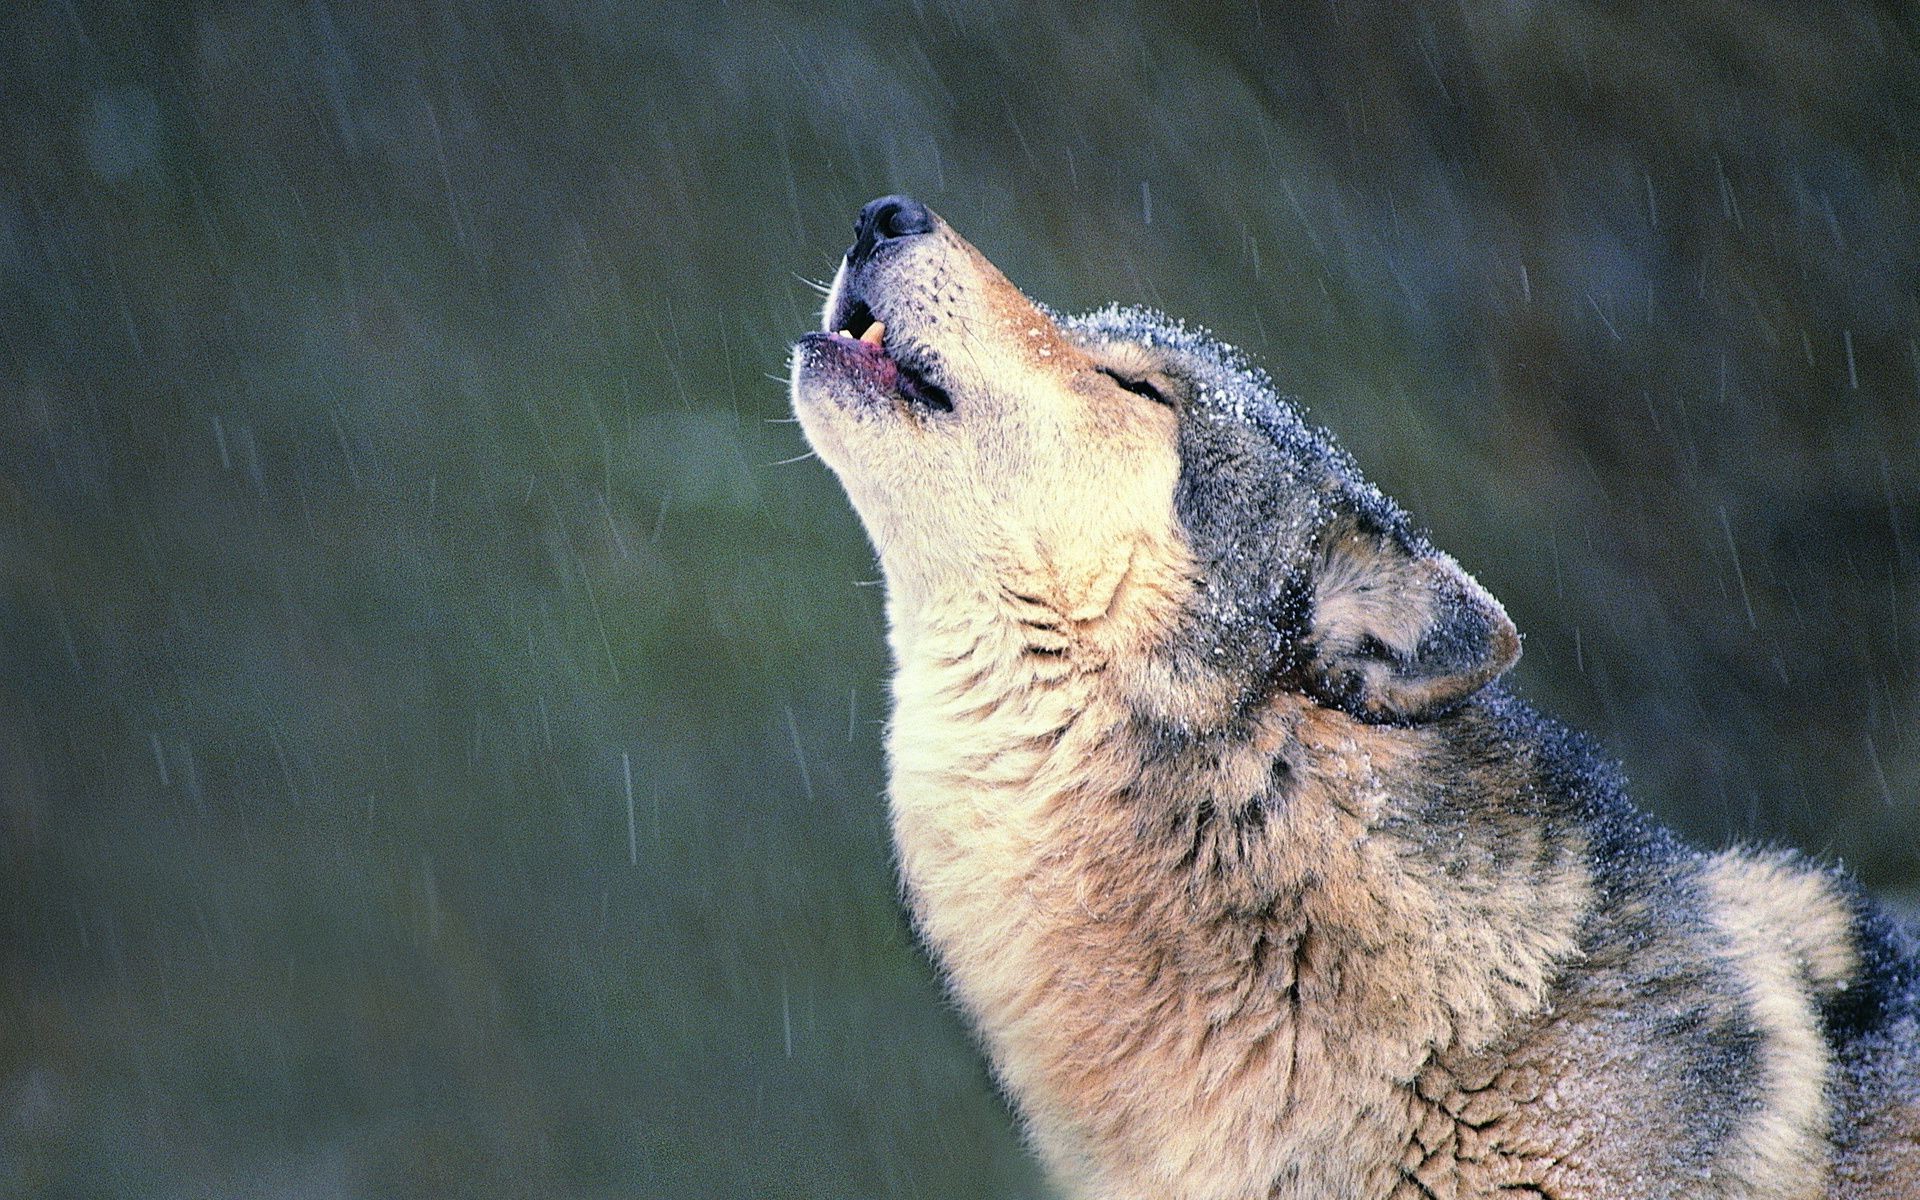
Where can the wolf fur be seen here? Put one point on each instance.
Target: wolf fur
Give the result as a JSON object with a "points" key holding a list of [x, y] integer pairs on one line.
{"points": [[1255, 880]]}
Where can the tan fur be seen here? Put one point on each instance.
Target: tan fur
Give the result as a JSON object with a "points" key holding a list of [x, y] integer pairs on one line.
{"points": [[1788, 937], [1363, 584], [1349, 591], [1124, 1019], [1356, 993]]}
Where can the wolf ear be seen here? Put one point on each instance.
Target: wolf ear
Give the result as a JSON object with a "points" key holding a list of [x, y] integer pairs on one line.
{"points": [[1398, 632]]}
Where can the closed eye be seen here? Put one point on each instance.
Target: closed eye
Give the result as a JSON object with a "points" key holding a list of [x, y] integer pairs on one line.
{"points": [[1139, 387]]}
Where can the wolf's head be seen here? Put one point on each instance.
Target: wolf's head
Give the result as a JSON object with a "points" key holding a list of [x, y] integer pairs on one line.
{"points": [[1119, 470]]}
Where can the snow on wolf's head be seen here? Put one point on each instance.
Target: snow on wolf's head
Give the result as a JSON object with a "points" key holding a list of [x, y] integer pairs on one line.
{"points": [[1120, 487]]}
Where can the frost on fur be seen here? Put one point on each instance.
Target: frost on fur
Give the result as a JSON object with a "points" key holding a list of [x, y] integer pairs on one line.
{"points": [[1254, 877]]}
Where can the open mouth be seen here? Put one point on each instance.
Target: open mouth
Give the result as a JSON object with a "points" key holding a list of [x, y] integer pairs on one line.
{"points": [[867, 335]]}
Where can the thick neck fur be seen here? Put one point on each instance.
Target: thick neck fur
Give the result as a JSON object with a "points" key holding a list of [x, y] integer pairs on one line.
{"points": [[1178, 945]]}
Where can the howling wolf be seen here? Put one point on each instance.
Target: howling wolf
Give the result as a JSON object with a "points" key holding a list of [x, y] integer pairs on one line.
{"points": [[1254, 878]]}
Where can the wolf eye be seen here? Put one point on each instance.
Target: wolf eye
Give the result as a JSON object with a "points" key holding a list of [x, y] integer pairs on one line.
{"points": [[1138, 387]]}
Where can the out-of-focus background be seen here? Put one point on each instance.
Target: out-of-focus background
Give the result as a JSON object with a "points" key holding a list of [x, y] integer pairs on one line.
{"points": [[439, 730]]}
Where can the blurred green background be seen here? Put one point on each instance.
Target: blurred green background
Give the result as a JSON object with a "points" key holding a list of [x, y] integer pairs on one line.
{"points": [[439, 731]]}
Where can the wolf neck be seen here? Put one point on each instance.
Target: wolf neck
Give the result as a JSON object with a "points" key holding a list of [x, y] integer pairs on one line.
{"points": [[1143, 934]]}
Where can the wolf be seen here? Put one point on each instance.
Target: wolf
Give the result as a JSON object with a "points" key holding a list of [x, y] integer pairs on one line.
{"points": [[1253, 877]]}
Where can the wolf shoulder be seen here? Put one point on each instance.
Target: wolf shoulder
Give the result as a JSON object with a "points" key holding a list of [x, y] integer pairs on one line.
{"points": [[1749, 1018]]}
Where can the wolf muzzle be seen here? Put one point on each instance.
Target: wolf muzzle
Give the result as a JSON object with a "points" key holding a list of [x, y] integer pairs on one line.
{"points": [[883, 220]]}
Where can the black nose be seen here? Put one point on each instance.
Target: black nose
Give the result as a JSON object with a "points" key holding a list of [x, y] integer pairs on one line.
{"points": [[883, 220]]}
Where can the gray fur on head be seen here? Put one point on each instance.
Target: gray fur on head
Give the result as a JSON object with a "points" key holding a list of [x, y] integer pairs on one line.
{"points": [[1312, 577]]}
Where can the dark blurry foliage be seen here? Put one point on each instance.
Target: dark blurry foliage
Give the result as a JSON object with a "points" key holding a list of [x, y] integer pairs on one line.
{"points": [[438, 734]]}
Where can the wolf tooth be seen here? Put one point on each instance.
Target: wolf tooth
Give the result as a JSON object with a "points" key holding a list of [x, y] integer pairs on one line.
{"points": [[1256, 880]]}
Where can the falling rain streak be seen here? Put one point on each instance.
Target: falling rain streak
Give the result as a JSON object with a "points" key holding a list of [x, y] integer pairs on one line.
{"points": [[387, 448]]}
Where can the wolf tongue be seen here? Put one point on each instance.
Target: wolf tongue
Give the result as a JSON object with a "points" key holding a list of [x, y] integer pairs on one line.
{"points": [[872, 335]]}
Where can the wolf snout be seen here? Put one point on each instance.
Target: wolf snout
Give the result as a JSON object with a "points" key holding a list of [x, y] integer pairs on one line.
{"points": [[884, 220]]}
